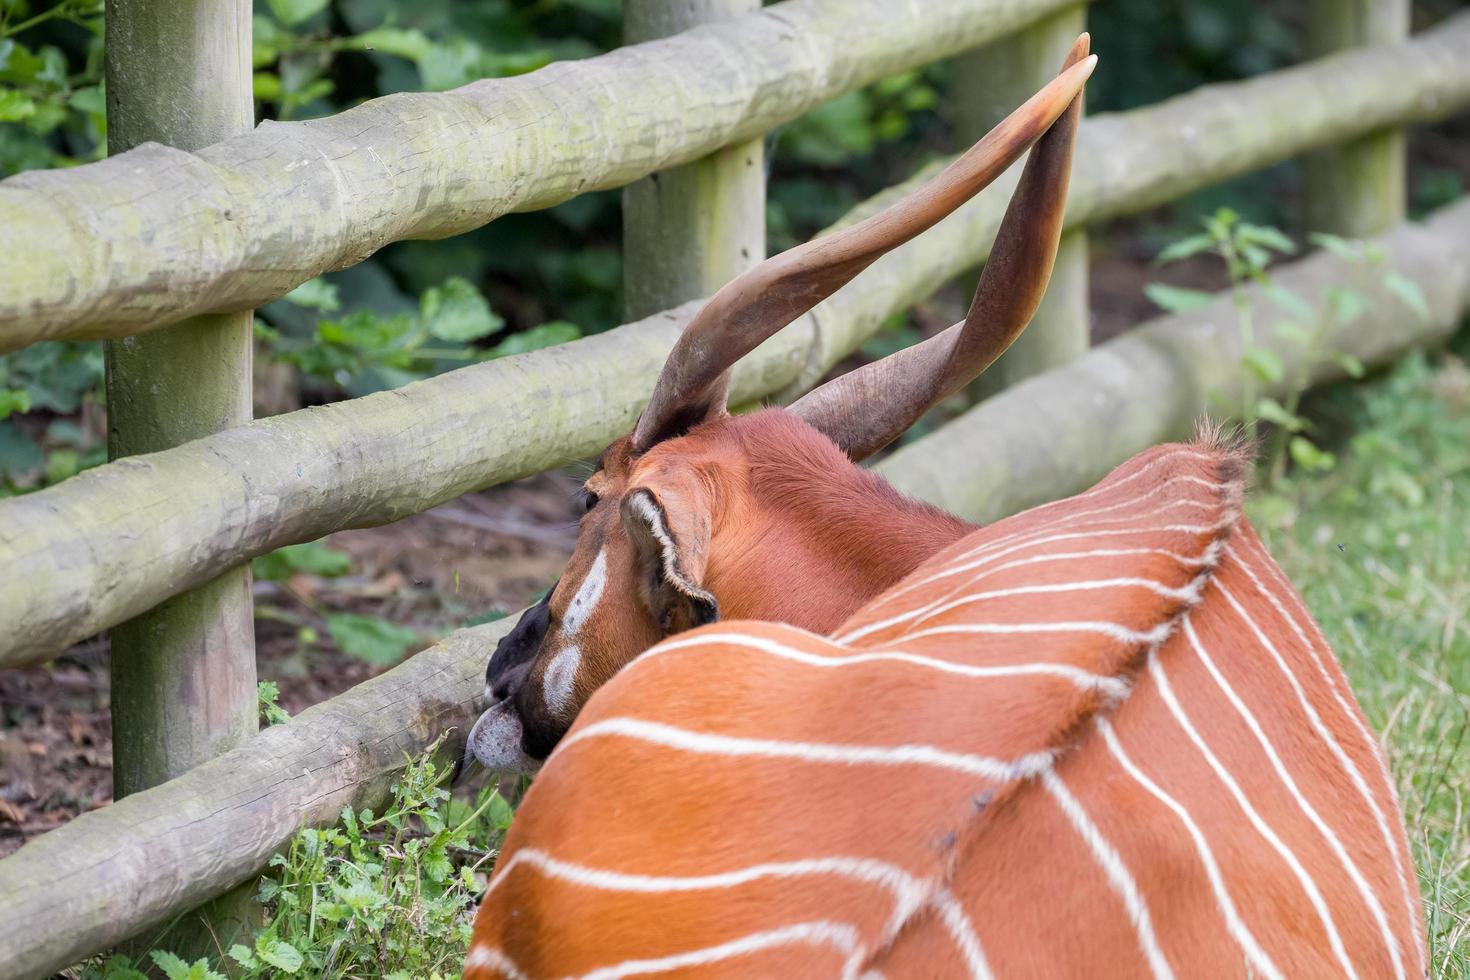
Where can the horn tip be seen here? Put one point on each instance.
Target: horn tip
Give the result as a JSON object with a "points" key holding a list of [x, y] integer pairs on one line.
{"points": [[1081, 48]]}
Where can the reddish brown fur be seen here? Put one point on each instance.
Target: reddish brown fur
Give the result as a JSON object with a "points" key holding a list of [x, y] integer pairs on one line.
{"points": [[1036, 888], [778, 524]]}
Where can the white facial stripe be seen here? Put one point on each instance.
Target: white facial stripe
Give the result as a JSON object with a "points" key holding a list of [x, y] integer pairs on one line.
{"points": [[561, 673], [589, 593]]}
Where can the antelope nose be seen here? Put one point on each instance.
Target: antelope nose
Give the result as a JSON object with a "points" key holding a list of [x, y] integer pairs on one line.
{"points": [[516, 651], [495, 742]]}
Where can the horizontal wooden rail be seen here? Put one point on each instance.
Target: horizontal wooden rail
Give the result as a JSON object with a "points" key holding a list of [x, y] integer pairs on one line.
{"points": [[155, 235], [116, 871], [114, 541]]}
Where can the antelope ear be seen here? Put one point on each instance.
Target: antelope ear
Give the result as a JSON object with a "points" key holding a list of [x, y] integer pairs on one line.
{"points": [[671, 535]]}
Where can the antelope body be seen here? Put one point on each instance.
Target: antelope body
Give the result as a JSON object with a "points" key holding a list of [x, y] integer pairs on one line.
{"points": [[1101, 738]]}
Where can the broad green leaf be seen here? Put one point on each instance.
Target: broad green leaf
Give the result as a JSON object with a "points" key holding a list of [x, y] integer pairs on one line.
{"points": [[1350, 249], [292, 12], [14, 400], [499, 812], [1184, 248], [1274, 412], [1266, 236], [18, 453], [368, 638], [1176, 299], [1306, 455], [1407, 290], [455, 311], [544, 335], [412, 44], [1351, 365], [311, 558], [1294, 332], [265, 41], [15, 106], [1346, 304], [1289, 301], [243, 956], [90, 100], [315, 294], [266, 87], [172, 966], [1265, 364], [279, 954]]}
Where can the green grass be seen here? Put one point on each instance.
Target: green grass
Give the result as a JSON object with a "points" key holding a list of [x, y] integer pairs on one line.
{"points": [[1394, 600]]}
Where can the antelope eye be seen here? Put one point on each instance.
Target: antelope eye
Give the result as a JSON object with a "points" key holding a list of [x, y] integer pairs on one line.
{"points": [[589, 500]]}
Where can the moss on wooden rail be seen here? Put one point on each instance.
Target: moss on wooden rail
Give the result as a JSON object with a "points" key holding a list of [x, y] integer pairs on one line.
{"points": [[155, 235], [115, 871], [113, 541]]}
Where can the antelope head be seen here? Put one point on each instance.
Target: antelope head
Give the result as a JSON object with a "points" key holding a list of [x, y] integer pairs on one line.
{"points": [[698, 515]]}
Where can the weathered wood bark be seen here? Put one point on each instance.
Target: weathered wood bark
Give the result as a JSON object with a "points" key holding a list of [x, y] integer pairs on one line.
{"points": [[115, 872], [989, 83], [1359, 188], [117, 540], [689, 230], [183, 673], [156, 235], [110, 873], [1060, 431]]}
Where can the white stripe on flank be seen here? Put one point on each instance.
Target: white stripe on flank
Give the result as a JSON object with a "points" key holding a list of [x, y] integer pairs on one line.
{"points": [[1016, 540], [953, 915], [1112, 864], [839, 935], [1337, 683], [485, 958], [1237, 928], [1156, 670], [1115, 630], [909, 893], [703, 743], [1189, 593], [1370, 898], [885, 599], [711, 642], [1187, 560]]}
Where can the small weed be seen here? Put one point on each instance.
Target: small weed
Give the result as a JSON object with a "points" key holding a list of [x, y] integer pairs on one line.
{"points": [[380, 895]]}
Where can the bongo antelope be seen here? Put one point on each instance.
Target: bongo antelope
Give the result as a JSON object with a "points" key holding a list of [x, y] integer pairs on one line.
{"points": [[1100, 738]]}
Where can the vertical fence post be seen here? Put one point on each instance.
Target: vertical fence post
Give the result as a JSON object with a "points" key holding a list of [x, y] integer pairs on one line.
{"points": [[183, 674], [988, 83], [689, 230], [1359, 188]]}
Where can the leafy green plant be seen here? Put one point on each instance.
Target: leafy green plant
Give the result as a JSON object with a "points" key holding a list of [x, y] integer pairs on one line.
{"points": [[51, 115], [268, 696], [365, 350], [388, 895], [1246, 251], [58, 379]]}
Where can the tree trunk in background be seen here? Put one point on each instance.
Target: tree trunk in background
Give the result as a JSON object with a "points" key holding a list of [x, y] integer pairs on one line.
{"points": [[183, 673], [1359, 188], [689, 230], [988, 84]]}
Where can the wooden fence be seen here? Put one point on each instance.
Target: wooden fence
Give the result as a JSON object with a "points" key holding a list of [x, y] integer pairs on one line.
{"points": [[155, 236]]}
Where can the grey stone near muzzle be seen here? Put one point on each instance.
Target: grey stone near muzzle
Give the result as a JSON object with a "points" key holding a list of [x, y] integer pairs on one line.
{"points": [[495, 742]]}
